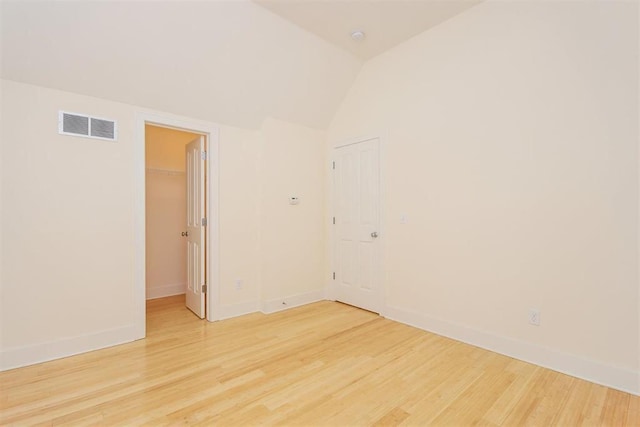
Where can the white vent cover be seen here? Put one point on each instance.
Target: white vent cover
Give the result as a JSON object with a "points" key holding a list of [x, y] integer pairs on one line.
{"points": [[89, 127]]}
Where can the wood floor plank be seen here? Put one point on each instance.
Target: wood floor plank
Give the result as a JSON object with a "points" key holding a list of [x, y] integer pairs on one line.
{"points": [[322, 364]]}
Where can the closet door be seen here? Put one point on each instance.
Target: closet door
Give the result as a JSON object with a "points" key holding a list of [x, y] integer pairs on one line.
{"points": [[195, 174]]}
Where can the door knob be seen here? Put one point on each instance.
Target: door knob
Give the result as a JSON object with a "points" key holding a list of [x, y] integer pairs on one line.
{"points": [[374, 234], [185, 233]]}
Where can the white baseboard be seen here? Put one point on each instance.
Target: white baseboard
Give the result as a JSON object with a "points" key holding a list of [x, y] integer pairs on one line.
{"points": [[235, 310], [33, 354], [608, 375], [279, 304], [269, 306], [611, 376], [154, 292]]}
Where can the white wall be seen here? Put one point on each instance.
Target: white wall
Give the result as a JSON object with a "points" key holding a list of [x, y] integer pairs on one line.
{"points": [[510, 142], [293, 236], [275, 250], [67, 228], [240, 256], [68, 225], [166, 217], [2, 295]]}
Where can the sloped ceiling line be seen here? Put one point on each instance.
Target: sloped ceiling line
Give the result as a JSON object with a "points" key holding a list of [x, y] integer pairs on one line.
{"points": [[231, 62]]}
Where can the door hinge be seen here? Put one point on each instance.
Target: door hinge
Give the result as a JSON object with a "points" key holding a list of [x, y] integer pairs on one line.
{"points": [[334, 165], [203, 154], [204, 222], [204, 288], [334, 220], [334, 275]]}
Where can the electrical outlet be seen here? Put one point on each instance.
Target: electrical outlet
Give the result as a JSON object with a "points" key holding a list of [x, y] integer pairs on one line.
{"points": [[239, 284], [534, 316]]}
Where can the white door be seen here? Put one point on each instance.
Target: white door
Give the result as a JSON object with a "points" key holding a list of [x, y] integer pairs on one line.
{"points": [[356, 178], [195, 172]]}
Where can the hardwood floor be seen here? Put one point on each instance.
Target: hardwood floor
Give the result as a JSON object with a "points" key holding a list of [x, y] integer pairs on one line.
{"points": [[321, 364]]}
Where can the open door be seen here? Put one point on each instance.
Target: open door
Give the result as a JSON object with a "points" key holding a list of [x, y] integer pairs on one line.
{"points": [[196, 274]]}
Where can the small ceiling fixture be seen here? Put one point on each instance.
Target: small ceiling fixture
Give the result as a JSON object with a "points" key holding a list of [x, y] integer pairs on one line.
{"points": [[357, 35]]}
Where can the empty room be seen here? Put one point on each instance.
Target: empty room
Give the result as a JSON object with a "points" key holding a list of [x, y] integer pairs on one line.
{"points": [[320, 212]]}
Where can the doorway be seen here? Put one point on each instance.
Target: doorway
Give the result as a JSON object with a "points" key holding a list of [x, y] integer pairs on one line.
{"points": [[356, 225], [166, 213], [166, 178]]}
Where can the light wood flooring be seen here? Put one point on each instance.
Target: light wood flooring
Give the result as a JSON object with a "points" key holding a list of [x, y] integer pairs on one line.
{"points": [[321, 364]]}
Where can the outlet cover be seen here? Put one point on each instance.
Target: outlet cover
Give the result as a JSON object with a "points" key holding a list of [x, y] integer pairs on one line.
{"points": [[534, 316]]}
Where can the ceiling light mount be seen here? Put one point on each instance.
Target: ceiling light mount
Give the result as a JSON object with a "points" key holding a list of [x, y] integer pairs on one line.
{"points": [[357, 35]]}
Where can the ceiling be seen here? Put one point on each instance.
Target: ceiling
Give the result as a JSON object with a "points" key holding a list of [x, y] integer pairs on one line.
{"points": [[233, 62], [386, 23], [230, 62]]}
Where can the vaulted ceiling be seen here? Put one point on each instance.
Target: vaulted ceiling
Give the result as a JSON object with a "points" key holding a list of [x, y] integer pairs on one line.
{"points": [[232, 62], [385, 23]]}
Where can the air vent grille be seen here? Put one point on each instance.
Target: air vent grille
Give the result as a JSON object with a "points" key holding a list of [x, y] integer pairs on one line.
{"points": [[87, 126], [103, 128], [75, 124]]}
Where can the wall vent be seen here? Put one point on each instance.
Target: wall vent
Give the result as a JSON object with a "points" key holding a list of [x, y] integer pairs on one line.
{"points": [[87, 126]]}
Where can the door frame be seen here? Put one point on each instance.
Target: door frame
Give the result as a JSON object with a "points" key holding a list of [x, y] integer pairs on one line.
{"points": [[212, 232], [330, 292]]}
